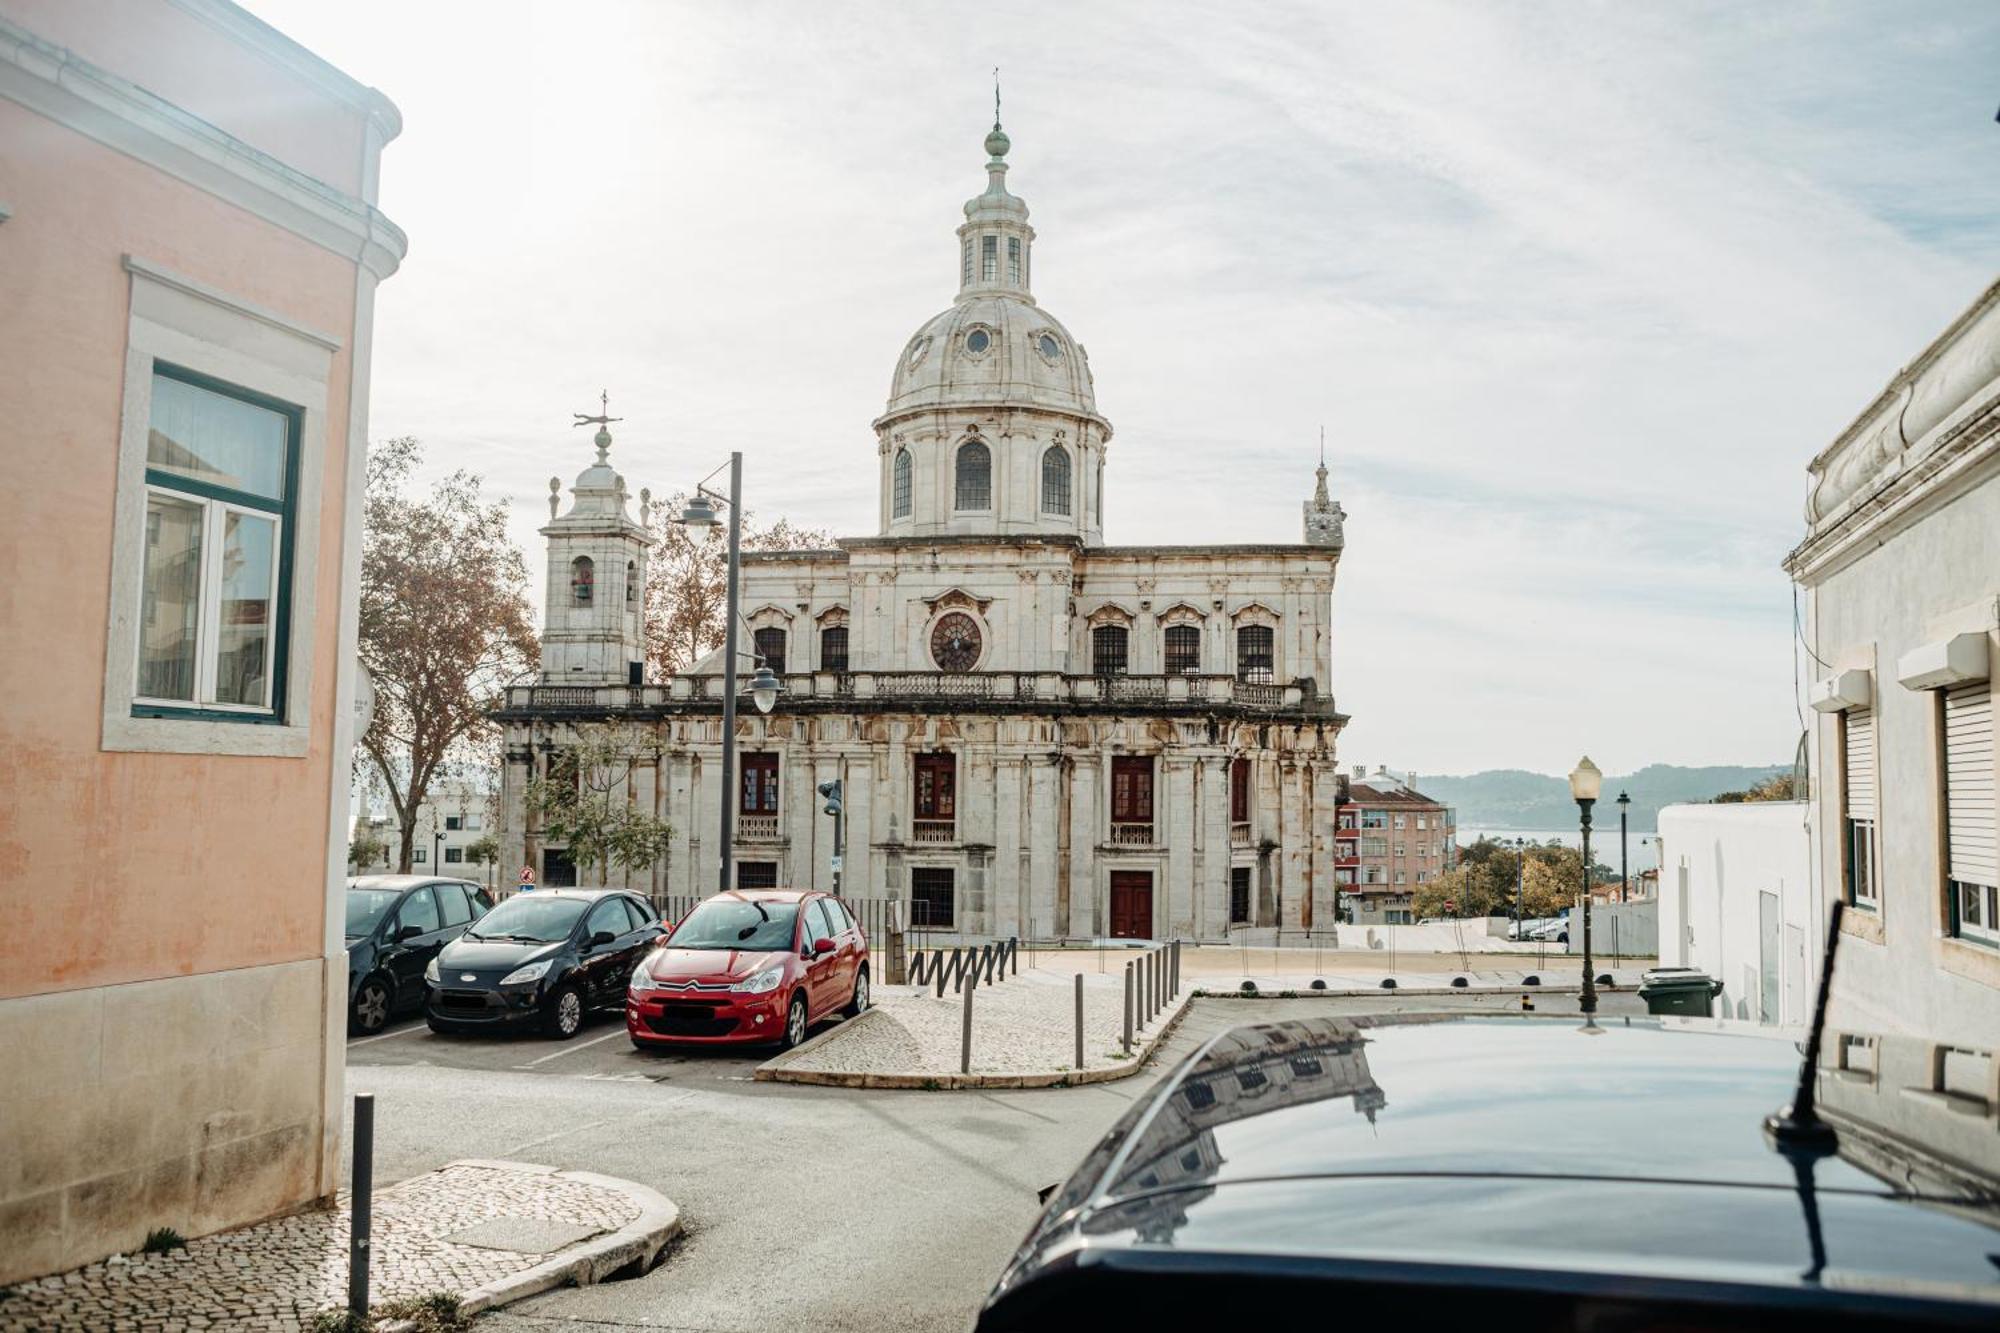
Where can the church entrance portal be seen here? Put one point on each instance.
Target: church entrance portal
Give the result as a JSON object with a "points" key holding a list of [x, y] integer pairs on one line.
{"points": [[1132, 904]]}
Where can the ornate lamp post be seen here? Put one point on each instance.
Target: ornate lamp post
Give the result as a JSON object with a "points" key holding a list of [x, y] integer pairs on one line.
{"points": [[1586, 782], [1624, 866], [700, 513]]}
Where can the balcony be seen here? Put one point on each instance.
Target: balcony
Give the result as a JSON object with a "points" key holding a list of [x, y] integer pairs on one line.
{"points": [[1347, 832], [1132, 835], [1239, 835], [846, 689], [1346, 859], [933, 830], [756, 828]]}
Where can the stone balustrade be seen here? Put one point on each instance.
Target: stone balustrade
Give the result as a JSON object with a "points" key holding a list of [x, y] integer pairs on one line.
{"points": [[852, 687]]}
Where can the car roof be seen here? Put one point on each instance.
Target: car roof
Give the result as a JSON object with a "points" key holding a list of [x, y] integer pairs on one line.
{"points": [[1451, 1135], [569, 892], [769, 895], [398, 882]]}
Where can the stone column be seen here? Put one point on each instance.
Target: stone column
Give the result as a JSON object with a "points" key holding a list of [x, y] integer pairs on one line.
{"points": [[1217, 856], [1180, 811], [1008, 883]]}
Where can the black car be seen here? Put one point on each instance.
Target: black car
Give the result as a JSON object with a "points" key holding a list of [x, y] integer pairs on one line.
{"points": [[395, 925], [1519, 1173], [543, 958]]}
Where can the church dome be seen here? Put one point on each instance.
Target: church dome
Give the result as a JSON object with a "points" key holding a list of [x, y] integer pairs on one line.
{"points": [[992, 350]]}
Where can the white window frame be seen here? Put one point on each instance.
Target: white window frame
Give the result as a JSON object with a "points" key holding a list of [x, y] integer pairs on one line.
{"points": [[190, 324], [208, 629]]}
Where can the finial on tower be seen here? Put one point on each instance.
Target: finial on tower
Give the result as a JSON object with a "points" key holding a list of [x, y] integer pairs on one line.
{"points": [[602, 421], [555, 496], [997, 142]]}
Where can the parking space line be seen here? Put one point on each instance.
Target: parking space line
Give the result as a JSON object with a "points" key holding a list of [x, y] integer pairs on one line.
{"points": [[384, 1036], [572, 1049]]}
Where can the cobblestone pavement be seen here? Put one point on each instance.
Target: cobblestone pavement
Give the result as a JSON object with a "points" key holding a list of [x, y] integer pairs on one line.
{"points": [[278, 1274]]}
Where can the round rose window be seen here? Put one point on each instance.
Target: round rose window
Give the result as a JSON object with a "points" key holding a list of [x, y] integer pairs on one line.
{"points": [[955, 642]]}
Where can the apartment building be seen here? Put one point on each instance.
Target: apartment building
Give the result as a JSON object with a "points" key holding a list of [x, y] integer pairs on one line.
{"points": [[1390, 839]]}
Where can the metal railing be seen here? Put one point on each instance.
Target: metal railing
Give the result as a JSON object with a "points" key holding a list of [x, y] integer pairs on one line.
{"points": [[757, 828], [1239, 835], [1152, 982], [933, 830], [967, 962], [1132, 835]]}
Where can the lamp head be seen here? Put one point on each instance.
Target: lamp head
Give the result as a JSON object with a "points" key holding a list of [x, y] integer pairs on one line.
{"points": [[1623, 800], [1586, 781], [764, 689], [700, 513]]}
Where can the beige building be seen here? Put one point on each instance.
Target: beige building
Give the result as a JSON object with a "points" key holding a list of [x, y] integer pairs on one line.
{"points": [[1037, 733], [1899, 575], [189, 250], [1391, 838], [452, 821]]}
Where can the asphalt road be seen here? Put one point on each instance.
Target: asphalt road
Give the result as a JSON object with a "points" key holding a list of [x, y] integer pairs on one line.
{"points": [[826, 1208]]}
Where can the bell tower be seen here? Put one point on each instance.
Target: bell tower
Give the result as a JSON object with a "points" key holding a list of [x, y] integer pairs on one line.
{"points": [[1325, 519], [594, 628]]}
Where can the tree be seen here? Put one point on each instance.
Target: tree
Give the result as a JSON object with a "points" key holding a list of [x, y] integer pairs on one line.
{"points": [[484, 852], [1551, 880], [587, 801], [445, 626], [687, 581], [365, 848], [1777, 787]]}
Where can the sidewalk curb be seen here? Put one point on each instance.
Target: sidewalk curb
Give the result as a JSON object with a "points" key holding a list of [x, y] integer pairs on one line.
{"points": [[639, 1241], [1307, 993], [775, 1071]]}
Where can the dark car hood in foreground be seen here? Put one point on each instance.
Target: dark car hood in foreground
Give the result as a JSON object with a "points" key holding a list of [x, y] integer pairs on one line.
{"points": [[1524, 1144], [470, 955]]}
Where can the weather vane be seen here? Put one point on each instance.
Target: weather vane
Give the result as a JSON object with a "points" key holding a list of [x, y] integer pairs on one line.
{"points": [[996, 97], [603, 417]]}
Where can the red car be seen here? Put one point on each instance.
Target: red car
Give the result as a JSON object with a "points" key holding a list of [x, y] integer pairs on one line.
{"points": [[752, 965]]}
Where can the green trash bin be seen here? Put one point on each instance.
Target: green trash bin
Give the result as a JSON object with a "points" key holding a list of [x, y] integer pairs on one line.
{"points": [[1685, 991]]}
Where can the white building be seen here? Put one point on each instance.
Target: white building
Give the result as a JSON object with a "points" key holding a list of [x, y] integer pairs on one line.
{"points": [[1037, 733], [1737, 900], [1900, 576], [453, 818]]}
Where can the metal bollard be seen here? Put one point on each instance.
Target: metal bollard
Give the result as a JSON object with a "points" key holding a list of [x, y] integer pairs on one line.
{"points": [[1153, 992], [1141, 965], [965, 1026], [1128, 1009], [359, 1204], [1079, 1020], [1177, 969]]}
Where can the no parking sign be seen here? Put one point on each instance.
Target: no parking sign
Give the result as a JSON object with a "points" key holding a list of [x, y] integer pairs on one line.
{"points": [[527, 879]]}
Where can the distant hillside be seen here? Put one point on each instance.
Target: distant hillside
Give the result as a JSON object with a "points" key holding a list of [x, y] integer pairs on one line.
{"points": [[1511, 798]]}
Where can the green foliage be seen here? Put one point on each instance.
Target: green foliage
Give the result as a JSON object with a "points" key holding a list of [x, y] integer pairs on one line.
{"points": [[1490, 878], [365, 848], [585, 802], [484, 852], [162, 1239], [434, 1312], [1777, 787]]}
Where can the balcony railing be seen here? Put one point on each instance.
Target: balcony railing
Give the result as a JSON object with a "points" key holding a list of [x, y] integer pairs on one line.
{"points": [[1346, 859], [849, 687], [1345, 831], [756, 828], [1132, 835], [1239, 835], [933, 830]]}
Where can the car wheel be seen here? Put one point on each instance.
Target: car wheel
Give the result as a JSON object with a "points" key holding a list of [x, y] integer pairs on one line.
{"points": [[370, 1012], [795, 1023], [860, 1000], [565, 1017]]}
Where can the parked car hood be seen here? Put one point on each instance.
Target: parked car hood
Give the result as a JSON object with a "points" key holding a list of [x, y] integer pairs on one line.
{"points": [[479, 955], [671, 964]]}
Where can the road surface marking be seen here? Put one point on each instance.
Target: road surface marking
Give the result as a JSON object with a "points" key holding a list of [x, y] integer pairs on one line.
{"points": [[384, 1036], [571, 1049]]}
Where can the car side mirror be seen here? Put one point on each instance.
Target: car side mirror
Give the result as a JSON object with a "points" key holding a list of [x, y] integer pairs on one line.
{"points": [[601, 937], [408, 933], [822, 946]]}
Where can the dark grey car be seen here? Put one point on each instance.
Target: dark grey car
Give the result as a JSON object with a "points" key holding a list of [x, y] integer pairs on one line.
{"points": [[395, 925]]}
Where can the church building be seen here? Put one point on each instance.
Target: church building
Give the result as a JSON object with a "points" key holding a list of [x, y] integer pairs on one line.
{"points": [[1037, 734]]}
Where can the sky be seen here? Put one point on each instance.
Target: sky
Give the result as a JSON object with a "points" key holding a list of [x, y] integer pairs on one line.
{"points": [[1575, 290]]}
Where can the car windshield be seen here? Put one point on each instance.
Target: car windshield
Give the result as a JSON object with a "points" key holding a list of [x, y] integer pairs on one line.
{"points": [[737, 923], [530, 916], [365, 908]]}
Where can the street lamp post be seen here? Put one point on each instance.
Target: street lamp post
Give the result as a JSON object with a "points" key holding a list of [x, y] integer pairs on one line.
{"points": [[1586, 782], [1521, 889], [1624, 866], [700, 513]]}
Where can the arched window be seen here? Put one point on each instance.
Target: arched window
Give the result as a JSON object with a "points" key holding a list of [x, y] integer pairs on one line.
{"points": [[631, 582], [974, 488], [1254, 660], [899, 506], [1107, 650], [833, 648], [582, 580], [1183, 650], [770, 643], [1055, 480]]}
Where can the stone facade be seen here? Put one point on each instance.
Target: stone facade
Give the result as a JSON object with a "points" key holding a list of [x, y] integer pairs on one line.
{"points": [[1037, 734], [1900, 579]]}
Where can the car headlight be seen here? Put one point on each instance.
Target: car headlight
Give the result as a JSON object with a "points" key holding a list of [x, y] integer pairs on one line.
{"points": [[767, 980], [431, 972], [644, 980], [521, 976]]}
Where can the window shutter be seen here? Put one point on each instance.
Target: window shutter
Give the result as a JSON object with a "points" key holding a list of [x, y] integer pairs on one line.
{"points": [[1860, 768], [1968, 782]]}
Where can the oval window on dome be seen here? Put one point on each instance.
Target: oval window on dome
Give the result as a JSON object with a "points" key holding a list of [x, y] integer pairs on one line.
{"points": [[977, 341], [1050, 349], [918, 350]]}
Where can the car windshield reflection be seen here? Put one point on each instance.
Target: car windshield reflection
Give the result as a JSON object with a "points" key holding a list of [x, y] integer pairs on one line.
{"points": [[365, 908], [737, 923], [530, 917]]}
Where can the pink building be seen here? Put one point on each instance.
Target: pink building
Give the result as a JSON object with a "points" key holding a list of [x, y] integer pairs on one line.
{"points": [[189, 250], [1390, 840]]}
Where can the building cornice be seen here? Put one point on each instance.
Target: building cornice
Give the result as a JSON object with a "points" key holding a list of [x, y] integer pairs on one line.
{"points": [[61, 85], [252, 32]]}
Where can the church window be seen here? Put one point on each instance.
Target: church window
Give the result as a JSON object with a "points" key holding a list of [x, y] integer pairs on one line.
{"points": [[977, 341], [965, 264], [935, 797], [1014, 259], [631, 582], [221, 484], [756, 874], [1055, 480], [1183, 650], [1108, 650], [1239, 791], [833, 648], [582, 580], [1050, 349], [900, 503], [771, 647], [932, 895], [760, 785], [974, 488], [1254, 659], [989, 258], [1131, 789]]}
